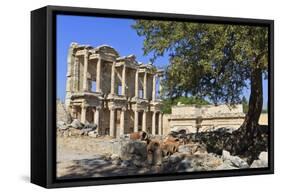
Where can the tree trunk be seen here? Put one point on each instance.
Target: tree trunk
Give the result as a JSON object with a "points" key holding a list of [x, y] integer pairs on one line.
{"points": [[255, 103], [244, 140]]}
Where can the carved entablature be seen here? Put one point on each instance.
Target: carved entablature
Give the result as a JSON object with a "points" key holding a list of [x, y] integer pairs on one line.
{"points": [[155, 106], [102, 57], [142, 106], [117, 104]]}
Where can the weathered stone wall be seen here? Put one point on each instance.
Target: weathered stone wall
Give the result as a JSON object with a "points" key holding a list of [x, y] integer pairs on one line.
{"points": [[62, 114], [205, 117], [193, 110], [166, 124]]}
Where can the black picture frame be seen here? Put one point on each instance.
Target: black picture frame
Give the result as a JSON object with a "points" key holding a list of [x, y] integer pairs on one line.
{"points": [[43, 96]]}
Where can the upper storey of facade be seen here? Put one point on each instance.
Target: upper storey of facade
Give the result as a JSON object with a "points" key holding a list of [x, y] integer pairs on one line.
{"points": [[101, 71]]}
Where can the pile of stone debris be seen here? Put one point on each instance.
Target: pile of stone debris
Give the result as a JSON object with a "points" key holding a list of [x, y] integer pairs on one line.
{"points": [[76, 128], [175, 153]]}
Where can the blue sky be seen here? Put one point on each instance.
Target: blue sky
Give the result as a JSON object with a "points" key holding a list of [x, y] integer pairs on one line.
{"points": [[96, 31]]}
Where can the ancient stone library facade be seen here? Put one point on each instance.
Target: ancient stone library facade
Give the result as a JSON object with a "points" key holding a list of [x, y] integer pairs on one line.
{"points": [[116, 93]]}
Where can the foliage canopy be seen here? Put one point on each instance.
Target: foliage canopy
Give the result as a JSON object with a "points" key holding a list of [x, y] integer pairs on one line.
{"points": [[211, 61]]}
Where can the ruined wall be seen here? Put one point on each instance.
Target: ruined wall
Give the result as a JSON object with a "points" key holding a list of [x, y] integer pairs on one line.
{"points": [[193, 110], [62, 114], [206, 117], [166, 123]]}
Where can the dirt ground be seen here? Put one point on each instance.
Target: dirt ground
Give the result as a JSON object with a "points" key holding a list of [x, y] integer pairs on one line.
{"points": [[84, 156], [73, 148]]}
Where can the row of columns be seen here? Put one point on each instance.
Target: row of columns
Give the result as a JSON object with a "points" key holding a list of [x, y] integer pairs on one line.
{"points": [[155, 76], [144, 121], [98, 79], [112, 123], [85, 73], [113, 111]]}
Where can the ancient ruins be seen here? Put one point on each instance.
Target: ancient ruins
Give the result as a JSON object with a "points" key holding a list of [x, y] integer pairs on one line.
{"points": [[205, 117], [111, 123], [116, 93]]}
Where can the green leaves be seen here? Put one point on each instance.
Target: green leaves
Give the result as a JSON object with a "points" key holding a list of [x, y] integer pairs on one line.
{"points": [[211, 61], [168, 103]]}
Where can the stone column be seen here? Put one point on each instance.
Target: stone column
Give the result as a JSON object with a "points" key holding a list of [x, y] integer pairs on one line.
{"points": [[145, 85], [144, 121], [112, 89], [154, 123], [136, 121], [154, 87], [83, 113], [112, 123], [160, 86], [76, 75], [122, 122], [124, 81], [137, 84], [98, 78], [160, 123], [85, 72], [97, 118]]}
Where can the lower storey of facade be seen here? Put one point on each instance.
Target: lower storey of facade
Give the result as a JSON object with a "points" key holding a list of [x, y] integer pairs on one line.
{"points": [[118, 117]]}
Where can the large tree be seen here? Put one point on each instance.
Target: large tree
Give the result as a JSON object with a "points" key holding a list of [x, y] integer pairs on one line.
{"points": [[211, 61]]}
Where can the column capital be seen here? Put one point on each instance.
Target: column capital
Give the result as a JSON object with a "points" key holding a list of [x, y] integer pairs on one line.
{"points": [[86, 53], [136, 110], [84, 105], [112, 108], [98, 107], [95, 108], [145, 110]]}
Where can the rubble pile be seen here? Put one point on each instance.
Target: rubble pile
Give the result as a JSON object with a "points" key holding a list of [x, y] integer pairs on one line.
{"points": [[176, 152]]}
